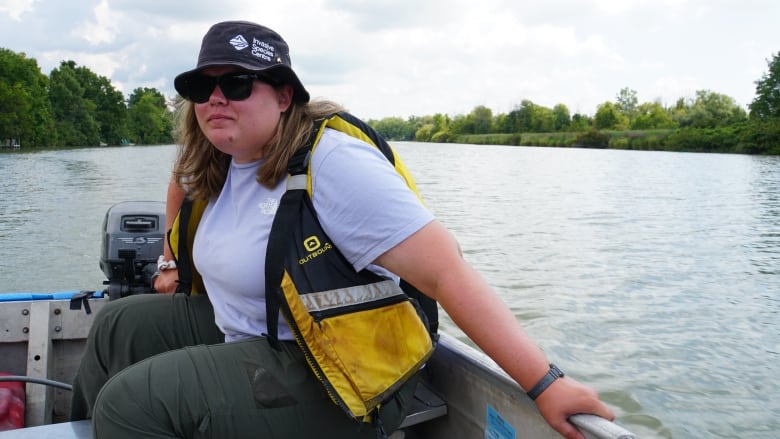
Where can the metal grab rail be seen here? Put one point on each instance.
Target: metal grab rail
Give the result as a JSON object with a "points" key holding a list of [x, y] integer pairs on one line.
{"points": [[600, 427], [34, 380]]}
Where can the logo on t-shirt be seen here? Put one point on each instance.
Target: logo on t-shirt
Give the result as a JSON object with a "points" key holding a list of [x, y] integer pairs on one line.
{"points": [[269, 206]]}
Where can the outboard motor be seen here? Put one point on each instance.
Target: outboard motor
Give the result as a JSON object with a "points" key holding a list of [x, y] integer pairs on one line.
{"points": [[133, 233]]}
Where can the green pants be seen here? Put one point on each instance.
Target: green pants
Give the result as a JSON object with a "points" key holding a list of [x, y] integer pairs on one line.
{"points": [[156, 366]]}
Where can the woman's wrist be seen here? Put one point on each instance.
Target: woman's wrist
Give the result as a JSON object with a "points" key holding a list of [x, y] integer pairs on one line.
{"points": [[552, 374], [165, 264]]}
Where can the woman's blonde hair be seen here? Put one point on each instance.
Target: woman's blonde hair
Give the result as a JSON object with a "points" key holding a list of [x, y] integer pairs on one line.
{"points": [[201, 168]]}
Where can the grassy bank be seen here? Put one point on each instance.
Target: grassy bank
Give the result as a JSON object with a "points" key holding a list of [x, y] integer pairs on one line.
{"points": [[748, 138]]}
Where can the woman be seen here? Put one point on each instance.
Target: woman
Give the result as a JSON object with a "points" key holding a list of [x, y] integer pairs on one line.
{"points": [[246, 113]]}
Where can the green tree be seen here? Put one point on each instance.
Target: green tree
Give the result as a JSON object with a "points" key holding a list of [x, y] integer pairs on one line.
{"points": [[393, 128], [543, 120], [561, 117], [149, 117], [74, 115], [507, 123], [14, 106], [761, 136], [500, 122], [424, 133], [680, 110], [533, 118], [652, 116], [423, 128], [627, 103], [580, 122], [527, 116], [711, 110], [767, 101], [415, 122], [110, 109], [25, 113], [482, 120], [462, 125], [441, 128], [608, 117]]}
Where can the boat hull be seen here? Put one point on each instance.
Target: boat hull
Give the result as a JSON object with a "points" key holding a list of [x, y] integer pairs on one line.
{"points": [[466, 395]]}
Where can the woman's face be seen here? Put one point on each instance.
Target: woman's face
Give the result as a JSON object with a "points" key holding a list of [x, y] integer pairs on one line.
{"points": [[242, 128]]}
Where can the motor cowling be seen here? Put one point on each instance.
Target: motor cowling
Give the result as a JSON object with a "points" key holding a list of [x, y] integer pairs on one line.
{"points": [[133, 238]]}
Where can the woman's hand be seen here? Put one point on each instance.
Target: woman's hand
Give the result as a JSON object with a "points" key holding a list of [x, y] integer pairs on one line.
{"points": [[566, 397], [166, 281]]}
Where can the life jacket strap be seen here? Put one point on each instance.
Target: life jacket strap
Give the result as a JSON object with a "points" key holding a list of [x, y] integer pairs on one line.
{"points": [[277, 244], [296, 182], [183, 259]]}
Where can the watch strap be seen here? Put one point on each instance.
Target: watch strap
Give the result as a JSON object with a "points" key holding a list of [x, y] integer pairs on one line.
{"points": [[553, 374]]}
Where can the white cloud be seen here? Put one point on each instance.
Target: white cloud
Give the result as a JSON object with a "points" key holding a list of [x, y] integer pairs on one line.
{"points": [[15, 8], [416, 57], [102, 28]]}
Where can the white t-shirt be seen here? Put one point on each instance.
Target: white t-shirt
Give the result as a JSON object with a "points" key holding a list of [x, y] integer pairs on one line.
{"points": [[362, 203]]}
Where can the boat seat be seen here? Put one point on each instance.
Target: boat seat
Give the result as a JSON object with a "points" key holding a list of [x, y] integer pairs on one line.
{"points": [[427, 405]]}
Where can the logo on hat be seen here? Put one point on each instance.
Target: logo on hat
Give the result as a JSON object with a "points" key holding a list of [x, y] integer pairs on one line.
{"points": [[239, 42]]}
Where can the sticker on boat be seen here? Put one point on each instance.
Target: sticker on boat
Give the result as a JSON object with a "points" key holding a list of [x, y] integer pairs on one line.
{"points": [[497, 427]]}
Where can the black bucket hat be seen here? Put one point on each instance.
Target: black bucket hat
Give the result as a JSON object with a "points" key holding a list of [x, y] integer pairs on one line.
{"points": [[251, 47]]}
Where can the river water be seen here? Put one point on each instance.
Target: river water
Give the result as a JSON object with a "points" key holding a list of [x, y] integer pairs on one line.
{"points": [[654, 277]]}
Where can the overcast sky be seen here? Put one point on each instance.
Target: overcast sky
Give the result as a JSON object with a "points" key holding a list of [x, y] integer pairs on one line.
{"points": [[384, 58]]}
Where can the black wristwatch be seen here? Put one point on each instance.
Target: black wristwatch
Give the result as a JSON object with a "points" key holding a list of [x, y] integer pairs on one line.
{"points": [[553, 374]]}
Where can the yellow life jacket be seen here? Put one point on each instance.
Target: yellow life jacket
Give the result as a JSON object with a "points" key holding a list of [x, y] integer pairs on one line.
{"points": [[362, 334]]}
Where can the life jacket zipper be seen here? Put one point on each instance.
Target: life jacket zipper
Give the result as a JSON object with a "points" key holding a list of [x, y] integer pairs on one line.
{"points": [[309, 357]]}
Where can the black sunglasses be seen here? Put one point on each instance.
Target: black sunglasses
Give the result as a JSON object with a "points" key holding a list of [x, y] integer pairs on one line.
{"points": [[235, 86]]}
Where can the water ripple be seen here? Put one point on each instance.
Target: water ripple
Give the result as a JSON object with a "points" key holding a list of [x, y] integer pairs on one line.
{"points": [[652, 276]]}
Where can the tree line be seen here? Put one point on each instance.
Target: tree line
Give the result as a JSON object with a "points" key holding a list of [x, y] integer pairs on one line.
{"points": [[73, 106], [708, 122]]}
